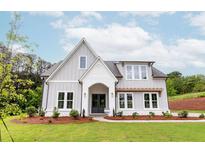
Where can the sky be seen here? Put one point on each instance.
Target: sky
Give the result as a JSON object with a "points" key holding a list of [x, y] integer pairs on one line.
{"points": [[174, 40]]}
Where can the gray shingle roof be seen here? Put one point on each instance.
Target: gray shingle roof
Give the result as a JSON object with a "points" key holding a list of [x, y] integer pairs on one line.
{"points": [[113, 68], [157, 74]]}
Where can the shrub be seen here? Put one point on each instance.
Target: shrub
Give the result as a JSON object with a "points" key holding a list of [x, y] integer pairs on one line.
{"points": [[11, 110], [41, 113], [202, 116], [119, 114], [55, 113], [167, 114], [74, 113], [31, 111], [183, 114], [135, 114], [83, 113], [151, 114]]}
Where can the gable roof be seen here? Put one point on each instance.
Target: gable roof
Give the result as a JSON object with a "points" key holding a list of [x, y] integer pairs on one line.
{"points": [[90, 68], [157, 73], [56, 68]]}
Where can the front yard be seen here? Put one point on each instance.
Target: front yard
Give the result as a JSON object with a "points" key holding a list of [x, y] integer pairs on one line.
{"points": [[98, 131]]}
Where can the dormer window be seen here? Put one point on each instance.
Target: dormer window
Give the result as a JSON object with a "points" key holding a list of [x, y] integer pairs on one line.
{"points": [[83, 62], [136, 72]]}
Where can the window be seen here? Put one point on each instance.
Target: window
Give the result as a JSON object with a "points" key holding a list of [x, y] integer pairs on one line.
{"points": [[151, 100], [65, 100], [83, 62], [136, 72], [126, 100]]}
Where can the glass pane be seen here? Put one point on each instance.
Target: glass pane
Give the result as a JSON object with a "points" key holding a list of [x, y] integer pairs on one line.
{"points": [[144, 72], [82, 62], [147, 104], [129, 100], [129, 72], [69, 104], [154, 96], [154, 104], [69, 96], [122, 101], [146, 97], [60, 104], [136, 72], [61, 96]]}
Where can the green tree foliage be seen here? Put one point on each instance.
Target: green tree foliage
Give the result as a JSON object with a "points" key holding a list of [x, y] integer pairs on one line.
{"points": [[178, 84]]}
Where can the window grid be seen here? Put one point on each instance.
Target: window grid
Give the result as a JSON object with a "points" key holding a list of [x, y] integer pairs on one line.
{"points": [[65, 102], [151, 100], [125, 100], [136, 72]]}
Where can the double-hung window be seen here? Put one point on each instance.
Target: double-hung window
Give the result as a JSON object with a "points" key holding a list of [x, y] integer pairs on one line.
{"points": [[65, 100], [125, 100], [150, 100], [136, 72], [83, 62]]}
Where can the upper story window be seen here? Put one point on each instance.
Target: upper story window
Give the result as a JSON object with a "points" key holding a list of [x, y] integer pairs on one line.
{"points": [[83, 62], [136, 72]]}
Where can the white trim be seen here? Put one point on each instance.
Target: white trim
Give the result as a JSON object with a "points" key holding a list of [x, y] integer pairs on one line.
{"points": [[83, 40], [150, 100], [85, 62], [140, 72], [98, 59], [65, 100], [125, 96], [64, 81]]}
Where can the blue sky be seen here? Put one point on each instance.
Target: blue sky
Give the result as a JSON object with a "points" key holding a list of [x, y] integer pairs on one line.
{"points": [[175, 40]]}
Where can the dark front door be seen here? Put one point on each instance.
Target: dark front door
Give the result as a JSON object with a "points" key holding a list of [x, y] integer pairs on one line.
{"points": [[98, 103]]}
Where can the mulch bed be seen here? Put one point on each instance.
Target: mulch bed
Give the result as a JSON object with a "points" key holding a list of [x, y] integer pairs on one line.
{"points": [[188, 104], [157, 117], [50, 120]]}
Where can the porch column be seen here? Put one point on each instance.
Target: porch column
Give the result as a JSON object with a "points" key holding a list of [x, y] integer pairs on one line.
{"points": [[111, 98], [85, 97]]}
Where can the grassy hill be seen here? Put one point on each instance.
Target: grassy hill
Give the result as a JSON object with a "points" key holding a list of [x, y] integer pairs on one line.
{"points": [[187, 96]]}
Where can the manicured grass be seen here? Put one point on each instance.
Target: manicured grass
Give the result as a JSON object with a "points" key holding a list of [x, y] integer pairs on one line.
{"points": [[187, 96], [98, 131]]}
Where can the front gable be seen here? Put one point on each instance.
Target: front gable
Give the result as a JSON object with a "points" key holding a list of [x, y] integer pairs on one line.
{"points": [[98, 73], [69, 68]]}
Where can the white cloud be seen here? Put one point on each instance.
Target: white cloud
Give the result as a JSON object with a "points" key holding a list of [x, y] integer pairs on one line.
{"points": [[118, 42], [197, 20], [145, 13], [77, 21], [47, 13]]}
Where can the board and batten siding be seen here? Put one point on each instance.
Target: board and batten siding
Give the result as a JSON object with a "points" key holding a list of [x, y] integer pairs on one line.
{"points": [[55, 87], [138, 96], [71, 71]]}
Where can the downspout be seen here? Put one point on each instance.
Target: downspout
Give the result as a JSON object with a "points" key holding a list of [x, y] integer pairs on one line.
{"points": [[42, 94], [81, 103], [47, 97]]}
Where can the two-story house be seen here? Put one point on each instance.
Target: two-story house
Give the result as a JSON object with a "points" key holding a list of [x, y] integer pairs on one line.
{"points": [[83, 81]]}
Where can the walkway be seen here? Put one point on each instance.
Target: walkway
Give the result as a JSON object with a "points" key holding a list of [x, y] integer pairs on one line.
{"points": [[102, 119]]}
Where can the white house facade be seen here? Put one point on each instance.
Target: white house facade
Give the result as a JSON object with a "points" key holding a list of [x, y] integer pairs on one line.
{"points": [[85, 82]]}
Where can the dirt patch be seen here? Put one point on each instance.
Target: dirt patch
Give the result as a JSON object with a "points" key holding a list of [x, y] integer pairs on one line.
{"points": [[50, 120], [188, 104], [152, 118]]}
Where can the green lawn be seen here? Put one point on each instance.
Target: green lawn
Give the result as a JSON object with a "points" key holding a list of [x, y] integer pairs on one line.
{"points": [[187, 96], [106, 132]]}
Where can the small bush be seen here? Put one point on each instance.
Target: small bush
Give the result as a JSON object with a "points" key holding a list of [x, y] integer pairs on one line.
{"points": [[49, 121], [167, 114], [55, 113], [202, 116], [41, 113], [74, 113], [11, 110], [31, 111], [151, 114], [119, 114], [183, 114], [135, 114]]}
